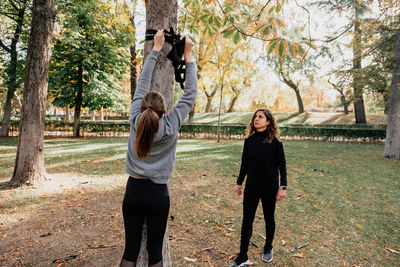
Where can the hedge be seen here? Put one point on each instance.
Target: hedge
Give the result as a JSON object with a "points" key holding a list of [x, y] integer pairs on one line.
{"points": [[324, 132]]}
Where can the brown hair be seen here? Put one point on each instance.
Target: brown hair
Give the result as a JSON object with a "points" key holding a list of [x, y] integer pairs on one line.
{"points": [[152, 109], [272, 127]]}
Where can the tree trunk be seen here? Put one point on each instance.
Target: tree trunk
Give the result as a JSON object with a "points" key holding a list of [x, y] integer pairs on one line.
{"points": [[344, 104], [101, 115], [161, 14], [11, 70], [191, 113], [359, 111], [133, 71], [233, 102], [18, 101], [92, 115], [219, 112], [78, 102], [208, 106], [209, 98], [133, 55], [29, 164], [67, 115], [296, 89], [392, 145], [299, 100], [5, 123]]}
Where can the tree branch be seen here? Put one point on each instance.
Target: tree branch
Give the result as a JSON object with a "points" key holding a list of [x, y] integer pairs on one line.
{"points": [[8, 16], [309, 19], [239, 30], [262, 9], [5, 47], [336, 37], [13, 4]]}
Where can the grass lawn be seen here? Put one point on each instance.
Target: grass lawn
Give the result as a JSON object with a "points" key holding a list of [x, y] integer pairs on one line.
{"points": [[343, 199], [311, 118]]}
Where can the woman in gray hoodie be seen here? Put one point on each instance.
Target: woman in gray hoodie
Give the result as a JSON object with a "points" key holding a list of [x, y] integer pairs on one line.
{"points": [[151, 156]]}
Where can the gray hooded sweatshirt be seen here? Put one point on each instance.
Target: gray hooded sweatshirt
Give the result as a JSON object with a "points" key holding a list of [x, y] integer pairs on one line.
{"points": [[159, 164]]}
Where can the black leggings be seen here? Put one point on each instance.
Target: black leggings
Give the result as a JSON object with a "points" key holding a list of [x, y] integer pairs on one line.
{"points": [[145, 200], [252, 196]]}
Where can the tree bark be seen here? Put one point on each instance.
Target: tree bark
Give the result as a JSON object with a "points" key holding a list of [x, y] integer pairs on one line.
{"points": [[78, 102], [11, 71], [392, 145], [29, 163], [18, 101], [296, 89], [359, 111], [133, 70], [344, 103], [191, 113], [161, 14], [92, 115], [67, 115], [209, 98], [219, 111], [233, 102], [101, 115]]}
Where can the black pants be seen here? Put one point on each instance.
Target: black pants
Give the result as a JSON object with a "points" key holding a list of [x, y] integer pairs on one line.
{"points": [[145, 200], [252, 196]]}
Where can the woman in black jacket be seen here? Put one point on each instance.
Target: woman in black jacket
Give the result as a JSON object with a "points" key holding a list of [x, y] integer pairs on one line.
{"points": [[263, 159]]}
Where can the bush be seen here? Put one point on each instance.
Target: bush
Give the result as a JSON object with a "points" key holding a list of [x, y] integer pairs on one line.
{"points": [[324, 132]]}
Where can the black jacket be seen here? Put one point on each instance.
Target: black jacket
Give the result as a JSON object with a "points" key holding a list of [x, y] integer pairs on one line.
{"points": [[261, 161]]}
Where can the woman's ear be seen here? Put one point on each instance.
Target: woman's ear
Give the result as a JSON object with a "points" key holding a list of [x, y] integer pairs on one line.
{"points": [[165, 111]]}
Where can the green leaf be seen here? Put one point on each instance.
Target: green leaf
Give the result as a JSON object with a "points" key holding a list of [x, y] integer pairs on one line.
{"points": [[281, 48], [217, 21], [236, 37], [292, 52], [210, 19], [260, 27], [313, 46], [266, 31], [271, 10], [204, 17], [301, 50], [271, 46], [228, 32]]}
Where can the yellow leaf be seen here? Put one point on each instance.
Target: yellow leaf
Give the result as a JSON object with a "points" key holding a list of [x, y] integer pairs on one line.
{"points": [[298, 255], [189, 259]]}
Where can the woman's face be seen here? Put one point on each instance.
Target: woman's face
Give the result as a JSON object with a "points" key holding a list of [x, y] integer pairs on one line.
{"points": [[260, 121]]}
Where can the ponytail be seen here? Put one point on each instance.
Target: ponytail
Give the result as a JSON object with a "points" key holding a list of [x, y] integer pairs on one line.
{"points": [[152, 107], [147, 128]]}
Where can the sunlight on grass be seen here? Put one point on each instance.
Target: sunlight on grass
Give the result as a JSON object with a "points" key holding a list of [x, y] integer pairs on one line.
{"points": [[343, 198]]}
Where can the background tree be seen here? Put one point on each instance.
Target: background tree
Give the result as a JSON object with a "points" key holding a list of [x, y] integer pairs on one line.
{"points": [[13, 13], [90, 56], [340, 87], [392, 145], [29, 164], [353, 11], [161, 14]]}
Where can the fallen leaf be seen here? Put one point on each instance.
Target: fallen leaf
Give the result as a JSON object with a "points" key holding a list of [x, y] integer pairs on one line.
{"points": [[297, 255], [283, 242], [222, 252], [189, 259], [360, 226]]}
